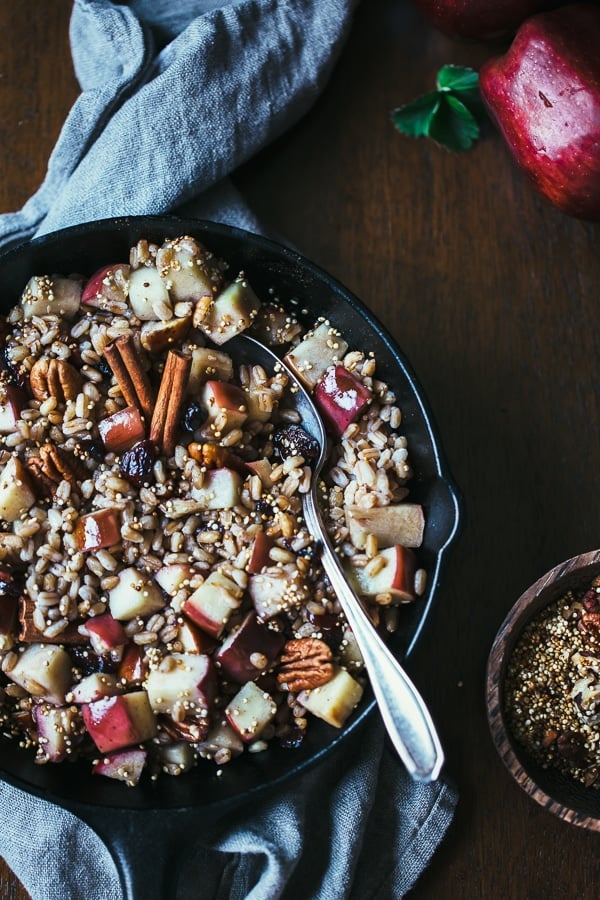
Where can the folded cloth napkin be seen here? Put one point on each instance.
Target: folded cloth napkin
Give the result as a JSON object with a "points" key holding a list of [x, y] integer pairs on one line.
{"points": [[174, 97]]}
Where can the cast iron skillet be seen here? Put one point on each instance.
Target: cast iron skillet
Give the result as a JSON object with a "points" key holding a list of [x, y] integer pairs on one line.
{"points": [[141, 824]]}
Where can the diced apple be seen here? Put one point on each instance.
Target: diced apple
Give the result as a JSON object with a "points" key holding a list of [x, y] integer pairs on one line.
{"points": [[400, 523], [250, 711], [133, 667], [249, 651], [175, 759], [220, 489], [9, 607], [221, 737], [16, 494], [122, 765], [183, 678], [94, 687], [350, 654], [44, 671], [316, 352], [193, 639], [259, 555], [208, 364], [397, 577], [188, 269], [211, 605], [333, 702], [174, 577], [105, 633], [340, 397], [156, 337], [226, 406], [262, 468], [274, 326], [134, 595], [230, 313], [97, 529], [12, 401], [122, 430], [148, 295], [117, 722], [108, 284], [277, 590], [44, 296], [59, 730]]}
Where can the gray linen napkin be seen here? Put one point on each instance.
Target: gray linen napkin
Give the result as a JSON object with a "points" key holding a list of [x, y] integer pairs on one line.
{"points": [[176, 95]]}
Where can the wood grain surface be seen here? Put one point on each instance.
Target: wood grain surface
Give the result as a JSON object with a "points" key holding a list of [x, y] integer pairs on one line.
{"points": [[495, 298]]}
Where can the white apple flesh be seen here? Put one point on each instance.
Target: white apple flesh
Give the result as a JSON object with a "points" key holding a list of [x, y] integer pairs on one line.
{"points": [[220, 489], [183, 678], [148, 295], [335, 701], [250, 712], [94, 687], [16, 494], [134, 595], [211, 605], [108, 284], [396, 577], [45, 296], [316, 352], [59, 729], [399, 523], [226, 406], [44, 671], [12, 401], [230, 313]]}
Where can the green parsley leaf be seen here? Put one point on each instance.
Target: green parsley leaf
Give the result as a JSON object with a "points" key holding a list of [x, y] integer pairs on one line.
{"points": [[415, 118], [450, 114]]}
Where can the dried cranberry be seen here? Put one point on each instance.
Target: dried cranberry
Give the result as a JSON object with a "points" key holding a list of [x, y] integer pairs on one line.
{"points": [[328, 624], [104, 368], [293, 440], [138, 462], [92, 448], [16, 375], [11, 583], [264, 509], [194, 416], [87, 662], [293, 738]]}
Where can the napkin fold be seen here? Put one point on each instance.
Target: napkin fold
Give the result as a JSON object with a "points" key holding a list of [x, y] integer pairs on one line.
{"points": [[174, 97]]}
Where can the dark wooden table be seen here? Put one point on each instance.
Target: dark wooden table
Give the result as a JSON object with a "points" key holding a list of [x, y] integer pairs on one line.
{"points": [[495, 298]]}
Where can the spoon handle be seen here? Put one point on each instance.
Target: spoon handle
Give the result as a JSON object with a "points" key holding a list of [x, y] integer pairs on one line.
{"points": [[402, 708]]}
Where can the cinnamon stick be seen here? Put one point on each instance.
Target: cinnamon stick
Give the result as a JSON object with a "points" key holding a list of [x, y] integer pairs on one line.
{"points": [[170, 401], [124, 360]]}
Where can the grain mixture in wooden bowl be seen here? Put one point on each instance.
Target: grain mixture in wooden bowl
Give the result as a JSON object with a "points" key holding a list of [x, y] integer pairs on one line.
{"points": [[161, 601]]}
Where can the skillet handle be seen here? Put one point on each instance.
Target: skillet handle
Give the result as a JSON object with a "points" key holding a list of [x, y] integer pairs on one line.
{"points": [[145, 846]]}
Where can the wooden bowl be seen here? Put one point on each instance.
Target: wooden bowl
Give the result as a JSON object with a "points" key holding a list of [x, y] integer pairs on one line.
{"points": [[563, 796]]}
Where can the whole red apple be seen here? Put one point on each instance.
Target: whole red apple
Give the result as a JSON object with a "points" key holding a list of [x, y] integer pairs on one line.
{"points": [[544, 95], [478, 18]]}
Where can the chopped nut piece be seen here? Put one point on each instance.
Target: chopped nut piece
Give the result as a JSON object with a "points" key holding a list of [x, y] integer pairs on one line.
{"points": [[306, 663]]}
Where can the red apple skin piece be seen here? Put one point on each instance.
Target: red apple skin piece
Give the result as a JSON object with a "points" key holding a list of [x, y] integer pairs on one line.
{"points": [[105, 633], [122, 430], [96, 530], [259, 556], [340, 397], [233, 657], [123, 765], [9, 609], [544, 95], [133, 668], [12, 401], [95, 289], [113, 724], [478, 19], [195, 640]]}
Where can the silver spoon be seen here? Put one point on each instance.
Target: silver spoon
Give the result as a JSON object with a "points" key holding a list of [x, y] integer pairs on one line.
{"points": [[403, 710]]}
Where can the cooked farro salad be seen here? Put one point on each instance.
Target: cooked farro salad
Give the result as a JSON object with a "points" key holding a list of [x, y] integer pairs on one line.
{"points": [[161, 601]]}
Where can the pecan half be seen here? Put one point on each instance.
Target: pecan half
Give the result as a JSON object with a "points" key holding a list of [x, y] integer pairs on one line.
{"points": [[213, 456], [306, 663], [52, 466], [54, 378]]}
